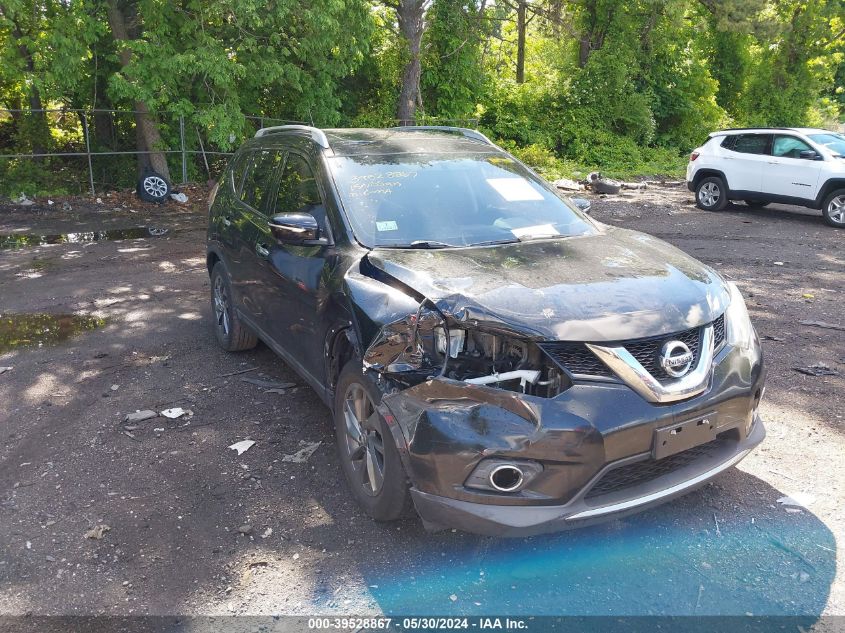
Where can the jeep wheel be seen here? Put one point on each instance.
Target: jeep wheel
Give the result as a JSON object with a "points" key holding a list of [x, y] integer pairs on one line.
{"points": [[367, 450], [232, 334], [711, 194], [833, 209]]}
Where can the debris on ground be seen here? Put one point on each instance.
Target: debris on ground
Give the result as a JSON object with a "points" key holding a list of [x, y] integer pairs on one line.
{"points": [[140, 416], [179, 197], [268, 384], [243, 446], [267, 533], [569, 185], [824, 324], [302, 455], [245, 529], [3, 370], [66, 206], [175, 412], [240, 371], [23, 201], [97, 532], [797, 500], [777, 339], [636, 186], [778, 263], [453, 598], [819, 369]]}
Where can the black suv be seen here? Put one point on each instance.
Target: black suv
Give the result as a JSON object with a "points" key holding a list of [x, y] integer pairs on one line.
{"points": [[490, 352]]}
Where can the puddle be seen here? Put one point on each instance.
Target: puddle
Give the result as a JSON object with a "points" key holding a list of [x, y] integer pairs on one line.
{"points": [[19, 240], [37, 330]]}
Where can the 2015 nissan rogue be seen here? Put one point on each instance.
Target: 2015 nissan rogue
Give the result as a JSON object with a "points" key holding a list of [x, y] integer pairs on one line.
{"points": [[490, 353]]}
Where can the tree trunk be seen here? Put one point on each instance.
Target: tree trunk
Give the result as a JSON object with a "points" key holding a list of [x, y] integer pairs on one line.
{"points": [[520, 42], [411, 17], [146, 129]]}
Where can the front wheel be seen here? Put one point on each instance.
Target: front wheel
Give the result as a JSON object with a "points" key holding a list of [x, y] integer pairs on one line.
{"points": [[833, 209], [368, 453], [711, 194], [231, 333]]}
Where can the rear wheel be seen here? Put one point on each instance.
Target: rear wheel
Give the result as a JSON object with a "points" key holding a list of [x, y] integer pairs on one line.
{"points": [[833, 209], [232, 334], [711, 194], [368, 453]]}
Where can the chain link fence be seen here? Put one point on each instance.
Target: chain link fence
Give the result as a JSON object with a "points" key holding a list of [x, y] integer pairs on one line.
{"points": [[74, 151]]}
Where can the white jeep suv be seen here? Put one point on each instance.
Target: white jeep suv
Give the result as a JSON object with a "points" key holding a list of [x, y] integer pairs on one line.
{"points": [[799, 166]]}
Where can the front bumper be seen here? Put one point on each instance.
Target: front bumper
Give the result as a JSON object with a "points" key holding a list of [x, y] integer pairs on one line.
{"points": [[589, 435], [499, 520]]}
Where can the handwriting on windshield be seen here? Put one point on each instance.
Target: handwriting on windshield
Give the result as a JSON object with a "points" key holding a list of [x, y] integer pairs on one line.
{"points": [[383, 184]]}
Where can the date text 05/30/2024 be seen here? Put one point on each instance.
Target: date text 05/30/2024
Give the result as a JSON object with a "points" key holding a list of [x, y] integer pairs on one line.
{"points": [[418, 624]]}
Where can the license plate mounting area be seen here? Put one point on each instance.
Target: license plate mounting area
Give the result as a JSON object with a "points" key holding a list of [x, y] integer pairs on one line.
{"points": [[684, 435]]}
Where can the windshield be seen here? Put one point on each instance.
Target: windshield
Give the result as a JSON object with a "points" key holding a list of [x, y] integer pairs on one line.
{"points": [[832, 141], [436, 201]]}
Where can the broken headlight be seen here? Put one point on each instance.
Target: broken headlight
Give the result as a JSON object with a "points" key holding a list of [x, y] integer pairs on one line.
{"points": [[499, 361]]}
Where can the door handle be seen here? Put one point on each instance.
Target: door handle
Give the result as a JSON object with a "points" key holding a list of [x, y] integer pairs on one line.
{"points": [[774, 162], [262, 250], [227, 221]]}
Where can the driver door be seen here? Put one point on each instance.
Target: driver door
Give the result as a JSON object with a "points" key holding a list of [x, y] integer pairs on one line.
{"points": [[294, 278], [787, 174]]}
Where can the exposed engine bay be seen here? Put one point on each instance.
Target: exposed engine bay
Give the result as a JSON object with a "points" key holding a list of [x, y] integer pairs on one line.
{"points": [[421, 346]]}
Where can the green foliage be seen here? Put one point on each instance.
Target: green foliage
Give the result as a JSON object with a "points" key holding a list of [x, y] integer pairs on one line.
{"points": [[452, 84], [627, 88]]}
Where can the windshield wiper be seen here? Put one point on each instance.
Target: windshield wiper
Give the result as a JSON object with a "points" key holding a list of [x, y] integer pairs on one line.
{"points": [[420, 244]]}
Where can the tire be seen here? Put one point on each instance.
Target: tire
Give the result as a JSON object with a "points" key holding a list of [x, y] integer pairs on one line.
{"points": [[833, 209], [755, 204], [153, 187], [711, 194], [232, 334], [371, 464]]}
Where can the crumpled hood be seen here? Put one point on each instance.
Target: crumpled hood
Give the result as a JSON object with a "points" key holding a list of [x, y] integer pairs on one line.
{"points": [[610, 286]]}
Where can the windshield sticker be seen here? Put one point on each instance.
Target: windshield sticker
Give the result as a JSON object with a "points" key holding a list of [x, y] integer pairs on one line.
{"points": [[541, 230], [387, 225], [515, 189]]}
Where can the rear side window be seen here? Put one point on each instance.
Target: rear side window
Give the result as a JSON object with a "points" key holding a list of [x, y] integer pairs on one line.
{"points": [[729, 141], [789, 146], [298, 192], [751, 143], [259, 177]]}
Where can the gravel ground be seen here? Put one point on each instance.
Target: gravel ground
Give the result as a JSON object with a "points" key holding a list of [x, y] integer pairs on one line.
{"points": [[193, 528]]}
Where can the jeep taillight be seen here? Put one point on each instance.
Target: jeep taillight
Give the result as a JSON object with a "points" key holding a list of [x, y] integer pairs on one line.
{"points": [[693, 156]]}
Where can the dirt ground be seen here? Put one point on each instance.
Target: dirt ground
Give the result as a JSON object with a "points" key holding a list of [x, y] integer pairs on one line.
{"points": [[193, 528]]}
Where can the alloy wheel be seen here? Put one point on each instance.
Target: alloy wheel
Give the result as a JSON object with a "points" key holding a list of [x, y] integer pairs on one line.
{"points": [[155, 186], [364, 443], [836, 209], [221, 305], [709, 194]]}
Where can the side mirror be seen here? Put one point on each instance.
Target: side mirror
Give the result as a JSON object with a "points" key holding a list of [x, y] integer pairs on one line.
{"points": [[296, 228], [582, 203], [809, 154]]}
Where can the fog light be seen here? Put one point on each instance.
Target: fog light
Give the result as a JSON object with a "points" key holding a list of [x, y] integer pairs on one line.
{"points": [[503, 475]]}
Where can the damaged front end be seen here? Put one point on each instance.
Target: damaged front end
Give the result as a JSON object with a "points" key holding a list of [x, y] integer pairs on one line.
{"points": [[497, 438]]}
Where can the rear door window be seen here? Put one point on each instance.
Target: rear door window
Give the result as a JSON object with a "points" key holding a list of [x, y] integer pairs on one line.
{"points": [[260, 177], [752, 143]]}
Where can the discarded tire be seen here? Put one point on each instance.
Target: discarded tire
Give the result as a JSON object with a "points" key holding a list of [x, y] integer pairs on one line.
{"points": [[153, 187]]}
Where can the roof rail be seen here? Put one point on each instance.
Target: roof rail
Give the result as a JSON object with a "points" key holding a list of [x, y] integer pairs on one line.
{"points": [[745, 129], [317, 135], [468, 133]]}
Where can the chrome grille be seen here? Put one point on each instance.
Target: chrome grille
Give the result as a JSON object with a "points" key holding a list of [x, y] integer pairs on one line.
{"points": [[577, 359]]}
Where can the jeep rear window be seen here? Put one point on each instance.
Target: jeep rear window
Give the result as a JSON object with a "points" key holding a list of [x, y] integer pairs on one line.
{"points": [[407, 200], [751, 143]]}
